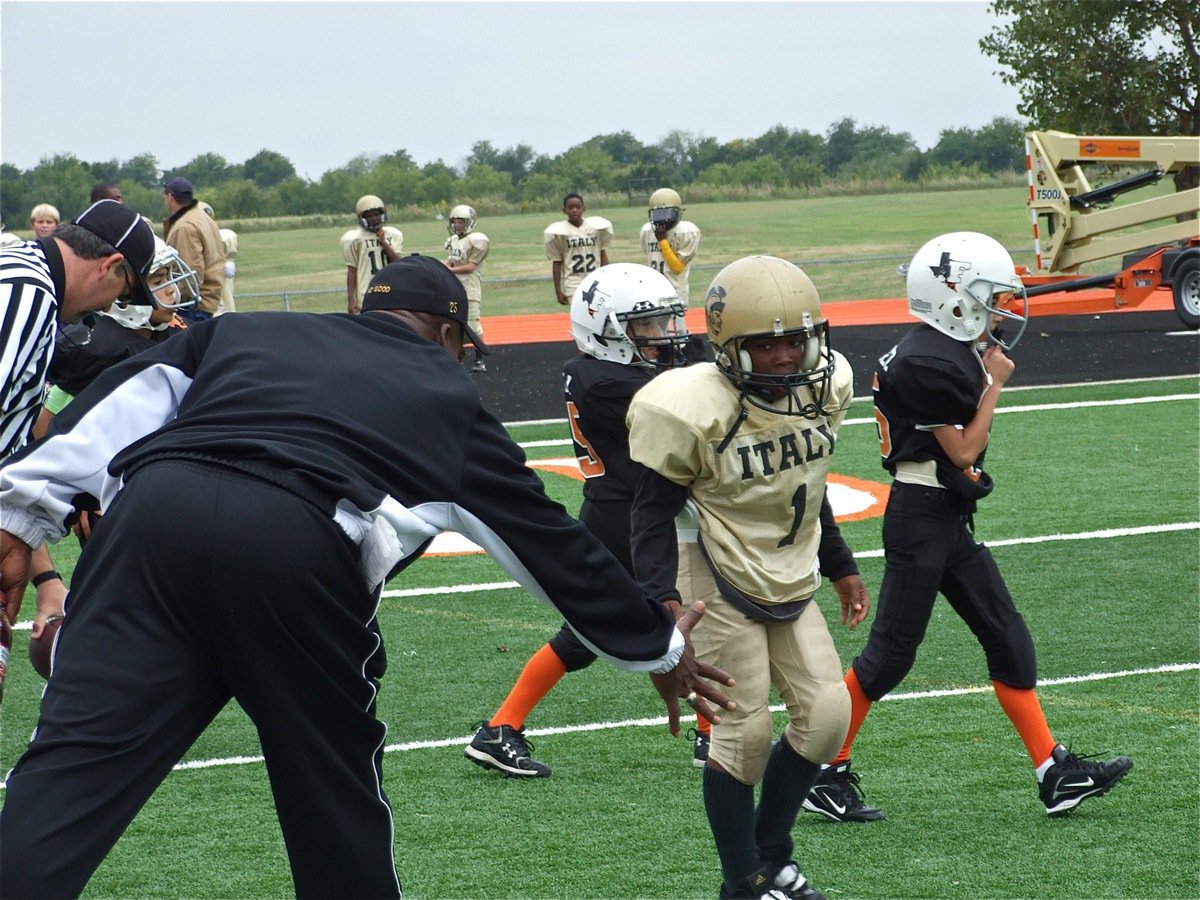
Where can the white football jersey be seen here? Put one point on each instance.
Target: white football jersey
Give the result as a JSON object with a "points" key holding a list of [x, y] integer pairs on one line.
{"points": [[361, 250], [758, 501], [684, 239], [578, 249], [469, 248]]}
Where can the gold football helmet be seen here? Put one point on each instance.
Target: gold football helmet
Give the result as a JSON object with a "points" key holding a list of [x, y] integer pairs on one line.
{"points": [[666, 208], [466, 215], [768, 297], [371, 212]]}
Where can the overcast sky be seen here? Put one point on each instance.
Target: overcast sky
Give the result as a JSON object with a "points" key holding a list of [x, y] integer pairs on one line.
{"points": [[323, 82]]}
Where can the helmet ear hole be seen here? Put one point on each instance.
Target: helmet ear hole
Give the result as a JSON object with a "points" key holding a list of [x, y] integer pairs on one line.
{"points": [[744, 360], [812, 354]]}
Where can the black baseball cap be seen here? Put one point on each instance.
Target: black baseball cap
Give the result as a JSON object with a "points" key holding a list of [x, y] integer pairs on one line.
{"points": [[129, 234], [179, 187], [422, 284]]}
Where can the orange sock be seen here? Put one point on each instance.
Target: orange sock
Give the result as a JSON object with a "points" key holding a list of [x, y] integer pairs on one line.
{"points": [[703, 725], [540, 674], [1025, 712], [860, 705]]}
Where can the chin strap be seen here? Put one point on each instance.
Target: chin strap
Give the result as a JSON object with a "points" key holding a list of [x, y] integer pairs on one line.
{"points": [[737, 423]]}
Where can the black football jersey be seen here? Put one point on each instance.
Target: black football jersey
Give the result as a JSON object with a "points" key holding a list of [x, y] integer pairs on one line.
{"points": [[928, 379], [82, 353], [598, 394]]}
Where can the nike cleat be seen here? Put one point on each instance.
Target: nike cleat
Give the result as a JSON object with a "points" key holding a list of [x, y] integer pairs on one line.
{"points": [[1072, 779], [835, 795]]}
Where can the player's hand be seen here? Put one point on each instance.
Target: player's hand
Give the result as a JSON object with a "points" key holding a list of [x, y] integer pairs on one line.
{"points": [[854, 599], [999, 366], [84, 524], [562, 299], [688, 679], [14, 572], [51, 600], [660, 231]]}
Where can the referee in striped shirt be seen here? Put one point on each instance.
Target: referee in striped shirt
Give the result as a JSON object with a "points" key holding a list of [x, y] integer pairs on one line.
{"points": [[82, 267]]}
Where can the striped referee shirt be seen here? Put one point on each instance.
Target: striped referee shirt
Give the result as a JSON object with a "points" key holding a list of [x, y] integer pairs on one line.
{"points": [[32, 278]]}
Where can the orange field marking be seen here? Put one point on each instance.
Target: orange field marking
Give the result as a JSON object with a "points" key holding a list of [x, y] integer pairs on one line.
{"points": [[555, 327]]}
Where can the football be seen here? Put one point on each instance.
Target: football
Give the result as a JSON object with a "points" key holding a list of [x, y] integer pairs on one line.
{"points": [[41, 648]]}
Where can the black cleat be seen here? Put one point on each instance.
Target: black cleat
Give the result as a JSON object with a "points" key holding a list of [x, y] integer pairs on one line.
{"points": [[835, 795], [504, 748], [1072, 779]]}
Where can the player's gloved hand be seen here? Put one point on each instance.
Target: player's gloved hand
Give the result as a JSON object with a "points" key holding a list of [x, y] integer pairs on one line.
{"points": [[690, 679]]}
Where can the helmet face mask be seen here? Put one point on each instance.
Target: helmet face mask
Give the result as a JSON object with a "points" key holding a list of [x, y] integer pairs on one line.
{"points": [[758, 306], [371, 212], [462, 220], [172, 282], [630, 314], [961, 282]]}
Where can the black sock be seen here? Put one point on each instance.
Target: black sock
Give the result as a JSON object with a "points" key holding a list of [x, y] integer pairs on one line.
{"points": [[730, 808], [786, 782]]}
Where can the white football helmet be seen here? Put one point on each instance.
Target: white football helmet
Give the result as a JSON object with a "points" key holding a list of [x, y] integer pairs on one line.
{"points": [[764, 296], [958, 281], [369, 203], [666, 208], [464, 212], [173, 285], [630, 314]]}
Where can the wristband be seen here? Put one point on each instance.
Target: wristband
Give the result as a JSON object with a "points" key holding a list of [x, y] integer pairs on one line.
{"points": [[38, 580]]}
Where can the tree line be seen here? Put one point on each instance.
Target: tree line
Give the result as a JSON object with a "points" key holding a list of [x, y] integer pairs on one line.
{"points": [[516, 179]]}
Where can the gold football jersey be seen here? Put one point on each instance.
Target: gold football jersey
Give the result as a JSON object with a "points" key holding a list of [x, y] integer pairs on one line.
{"points": [[684, 239], [469, 248], [758, 501], [361, 249], [578, 249]]}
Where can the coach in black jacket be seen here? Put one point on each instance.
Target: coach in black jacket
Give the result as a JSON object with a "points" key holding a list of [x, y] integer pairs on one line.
{"points": [[299, 459]]}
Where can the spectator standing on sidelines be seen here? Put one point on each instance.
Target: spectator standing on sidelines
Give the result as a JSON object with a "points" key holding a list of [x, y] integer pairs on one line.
{"points": [[43, 220], [229, 242], [367, 248], [627, 323], [669, 241], [466, 249], [103, 191], [935, 396], [576, 246], [302, 477], [81, 268], [198, 241], [742, 448]]}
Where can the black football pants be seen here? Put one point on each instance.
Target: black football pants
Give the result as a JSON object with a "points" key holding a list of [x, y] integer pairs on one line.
{"points": [[928, 548], [607, 520], [204, 584]]}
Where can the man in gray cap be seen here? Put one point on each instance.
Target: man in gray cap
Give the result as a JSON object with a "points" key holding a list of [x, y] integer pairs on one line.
{"points": [[308, 458], [198, 239]]}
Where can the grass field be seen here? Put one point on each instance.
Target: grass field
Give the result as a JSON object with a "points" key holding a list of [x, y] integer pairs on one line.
{"points": [[1094, 523], [810, 229]]}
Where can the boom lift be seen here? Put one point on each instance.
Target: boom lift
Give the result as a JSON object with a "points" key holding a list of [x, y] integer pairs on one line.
{"points": [[1075, 223]]}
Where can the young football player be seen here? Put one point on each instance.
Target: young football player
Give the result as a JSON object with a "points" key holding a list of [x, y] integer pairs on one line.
{"points": [[935, 395], [368, 247], [669, 241], [466, 249], [741, 447], [628, 324], [576, 247]]}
